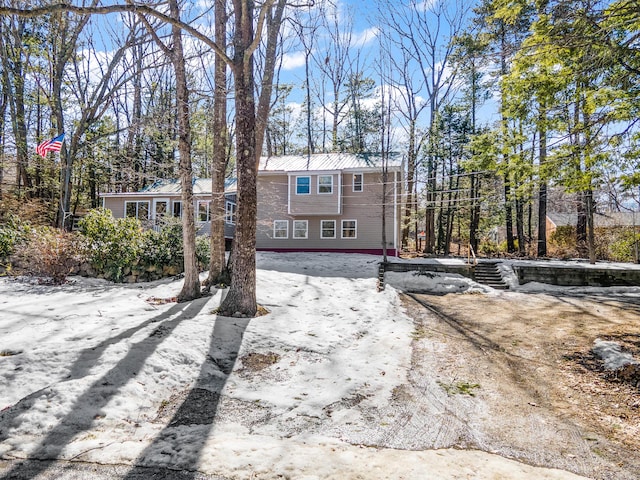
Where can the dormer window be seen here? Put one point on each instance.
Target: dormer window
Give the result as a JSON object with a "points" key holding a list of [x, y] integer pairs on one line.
{"points": [[325, 184]]}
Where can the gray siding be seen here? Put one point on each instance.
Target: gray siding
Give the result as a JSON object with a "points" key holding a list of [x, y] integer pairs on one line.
{"points": [[116, 203], [314, 203]]}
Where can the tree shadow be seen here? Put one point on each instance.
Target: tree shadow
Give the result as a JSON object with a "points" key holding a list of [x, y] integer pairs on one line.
{"points": [[80, 367], [86, 409], [198, 409]]}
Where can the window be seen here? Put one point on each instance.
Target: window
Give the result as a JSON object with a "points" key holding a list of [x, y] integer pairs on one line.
{"points": [[230, 213], [280, 229], [203, 214], [300, 229], [325, 183], [328, 229], [349, 229], [139, 210], [177, 209], [303, 185], [358, 181]]}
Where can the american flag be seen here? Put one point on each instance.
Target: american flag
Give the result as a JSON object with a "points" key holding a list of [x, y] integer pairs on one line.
{"points": [[53, 145]]}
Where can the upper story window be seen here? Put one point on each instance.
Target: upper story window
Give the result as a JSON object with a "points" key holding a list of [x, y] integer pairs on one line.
{"points": [[325, 183], [303, 185], [358, 182], [139, 210]]}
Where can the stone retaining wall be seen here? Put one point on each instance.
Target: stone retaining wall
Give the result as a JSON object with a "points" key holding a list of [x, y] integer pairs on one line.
{"points": [[577, 276]]}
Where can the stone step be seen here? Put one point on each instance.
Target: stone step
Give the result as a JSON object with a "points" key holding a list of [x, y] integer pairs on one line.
{"points": [[487, 273]]}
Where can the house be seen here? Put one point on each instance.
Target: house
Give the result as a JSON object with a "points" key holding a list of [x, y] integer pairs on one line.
{"points": [[607, 220], [163, 198], [323, 202], [329, 202]]}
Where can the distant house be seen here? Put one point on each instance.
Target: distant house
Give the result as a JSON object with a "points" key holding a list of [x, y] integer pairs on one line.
{"points": [[163, 198], [322, 202], [607, 220]]}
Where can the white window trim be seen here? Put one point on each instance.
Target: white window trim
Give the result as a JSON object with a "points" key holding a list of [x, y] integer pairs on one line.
{"points": [[296, 184], [322, 229], [355, 228], [325, 193], [353, 184], [275, 229], [138, 202], [208, 215], [306, 229], [229, 212]]}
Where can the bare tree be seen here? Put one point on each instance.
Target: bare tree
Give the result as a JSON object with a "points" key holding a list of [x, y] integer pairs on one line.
{"points": [[241, 298], [217, 266], [191, 286], [334, 58], [424, 32], [15, 59]]}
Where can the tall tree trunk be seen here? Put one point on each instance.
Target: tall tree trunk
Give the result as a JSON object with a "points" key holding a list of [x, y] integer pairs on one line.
{"points": [[542, 191], [191, 286], [217, 265], [241, 298], [13, 77], [508, 210], [581, 226], [411, 170], [474, 222], [591, 243], [520, 225], [273, 22], [3, 109]]}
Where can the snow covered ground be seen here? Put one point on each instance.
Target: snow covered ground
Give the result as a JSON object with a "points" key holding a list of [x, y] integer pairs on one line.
{"points": [[97, 372]]}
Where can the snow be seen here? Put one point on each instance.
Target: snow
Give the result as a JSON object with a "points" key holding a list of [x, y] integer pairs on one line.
{"points": [[86, 369], [612, 355]]}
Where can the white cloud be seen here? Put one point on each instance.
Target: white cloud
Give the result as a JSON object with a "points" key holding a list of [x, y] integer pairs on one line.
{"points": [[426, 5], [365, 37], [291, 61]]}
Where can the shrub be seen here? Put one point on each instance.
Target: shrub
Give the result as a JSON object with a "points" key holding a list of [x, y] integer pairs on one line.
{"points": [[163, 247], [50, 252], [32, 211], [12, 233], [623, 249], [112, 244], [203, 252], [488, 248]]}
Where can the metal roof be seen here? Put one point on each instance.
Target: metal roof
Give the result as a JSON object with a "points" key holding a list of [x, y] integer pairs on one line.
{"points": [[600, 219], [321, 162], [328, 162], [201, 186]]}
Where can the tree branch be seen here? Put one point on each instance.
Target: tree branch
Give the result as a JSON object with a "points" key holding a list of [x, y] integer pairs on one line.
{"points": [[132, 8]]}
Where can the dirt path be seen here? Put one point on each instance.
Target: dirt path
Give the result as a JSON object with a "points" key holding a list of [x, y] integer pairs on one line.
{"points": [[522, 382]]}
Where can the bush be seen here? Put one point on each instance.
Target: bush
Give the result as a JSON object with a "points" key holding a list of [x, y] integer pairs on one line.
{"points": [[165, 246], [488, 248], [623, 249], [112, 244], [50, 252], [12, 233], [203, 252]]}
